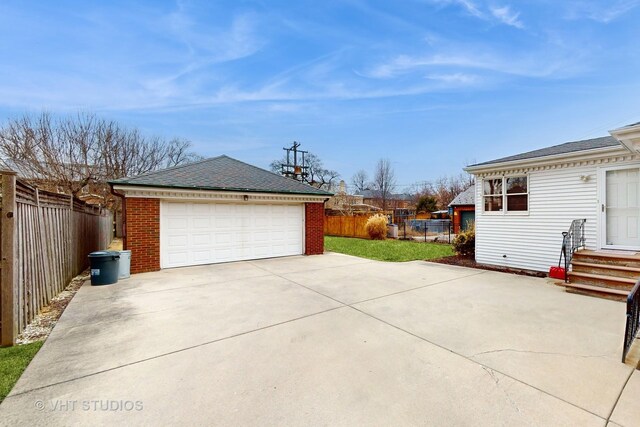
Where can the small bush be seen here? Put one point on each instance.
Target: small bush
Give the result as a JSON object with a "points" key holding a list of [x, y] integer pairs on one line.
{"points": [[376, 227], [465, 242]]}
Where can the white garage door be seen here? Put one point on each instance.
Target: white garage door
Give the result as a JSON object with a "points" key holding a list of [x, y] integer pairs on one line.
{"points": [[206, 233]]}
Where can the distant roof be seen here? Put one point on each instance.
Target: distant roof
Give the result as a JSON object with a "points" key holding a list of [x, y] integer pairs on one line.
{"points": [[567, 147], [20, 168], [224, 174], [372, 194], [467, 197]]}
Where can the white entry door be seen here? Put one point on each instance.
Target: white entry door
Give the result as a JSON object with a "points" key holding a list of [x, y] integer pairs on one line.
{"points": [[207, 233], [622, 209]]}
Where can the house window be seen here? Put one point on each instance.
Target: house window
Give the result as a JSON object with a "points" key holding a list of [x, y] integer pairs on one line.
{"points": [[512, 192], [493, 195], [516, 192]]}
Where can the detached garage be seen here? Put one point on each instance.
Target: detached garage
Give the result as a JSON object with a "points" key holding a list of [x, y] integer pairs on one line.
{"points": [[218, 210]]}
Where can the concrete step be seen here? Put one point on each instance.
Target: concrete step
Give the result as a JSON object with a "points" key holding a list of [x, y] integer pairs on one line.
{"points": [[605, 269], [601, 280], [608, 258], [595, 291]]}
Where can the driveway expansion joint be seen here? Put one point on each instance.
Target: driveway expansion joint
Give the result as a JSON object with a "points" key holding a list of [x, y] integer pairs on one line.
{"points": [[169, 353], [416, 288], [615, 404]]}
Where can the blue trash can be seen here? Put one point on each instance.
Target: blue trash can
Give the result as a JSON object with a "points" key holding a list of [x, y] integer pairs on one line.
{"points": [[105, 266]]}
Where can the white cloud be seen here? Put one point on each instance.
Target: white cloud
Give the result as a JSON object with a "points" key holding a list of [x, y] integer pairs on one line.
{"points": [[502, 14], [505, 15], [468, 5], [528, 64], [604, 13], [237, 41], [454, 78]]}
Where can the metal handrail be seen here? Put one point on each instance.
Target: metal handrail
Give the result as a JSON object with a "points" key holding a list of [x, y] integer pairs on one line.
{"points": [[633, 319], [572, 240]]}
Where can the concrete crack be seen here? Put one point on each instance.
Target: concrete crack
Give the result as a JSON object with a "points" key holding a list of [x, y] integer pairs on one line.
{"points": [[493, 376]]}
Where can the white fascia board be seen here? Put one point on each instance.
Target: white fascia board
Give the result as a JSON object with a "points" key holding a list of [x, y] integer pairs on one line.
{"points": [[629, 136], [540, 161], [134, 191]]}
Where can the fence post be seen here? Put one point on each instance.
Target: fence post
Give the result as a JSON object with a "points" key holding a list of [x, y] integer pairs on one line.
{"points": [[44, 247], [70, 245], [9, 274]]}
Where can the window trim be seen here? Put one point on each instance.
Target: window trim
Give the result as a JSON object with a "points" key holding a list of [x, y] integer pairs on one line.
{"points": [[504, 210]]}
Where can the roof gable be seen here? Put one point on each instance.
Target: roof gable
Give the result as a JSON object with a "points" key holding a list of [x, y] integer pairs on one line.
{"points": [[221, 173]]}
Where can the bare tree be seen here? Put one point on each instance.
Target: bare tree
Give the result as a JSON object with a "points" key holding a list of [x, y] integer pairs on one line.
{"points": [[79, 154], [360, 180], [444, 189], [384, 180], [318, 176]]}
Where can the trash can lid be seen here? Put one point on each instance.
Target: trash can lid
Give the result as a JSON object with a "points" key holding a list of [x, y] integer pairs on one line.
{"points": [[99, 254]]}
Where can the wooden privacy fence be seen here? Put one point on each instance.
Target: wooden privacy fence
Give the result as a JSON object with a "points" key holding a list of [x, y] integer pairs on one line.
{"points": [[346, 226], [45, 239]]}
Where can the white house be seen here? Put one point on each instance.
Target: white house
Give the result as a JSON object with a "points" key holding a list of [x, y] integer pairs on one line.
{"points": [[524, 202]]}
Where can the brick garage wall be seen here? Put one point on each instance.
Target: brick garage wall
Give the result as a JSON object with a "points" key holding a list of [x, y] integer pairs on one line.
{"points": [[143, 233], [314, 228]]}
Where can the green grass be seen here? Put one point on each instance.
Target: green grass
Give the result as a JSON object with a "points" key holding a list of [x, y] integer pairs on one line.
{"points": [[13, 361], [387, 250]]}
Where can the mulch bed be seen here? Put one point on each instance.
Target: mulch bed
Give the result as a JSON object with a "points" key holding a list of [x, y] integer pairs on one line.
{"points": [[469, 261], [40, 328]]}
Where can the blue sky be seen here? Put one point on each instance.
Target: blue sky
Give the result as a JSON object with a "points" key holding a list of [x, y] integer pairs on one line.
{"points": [[430, 84]]}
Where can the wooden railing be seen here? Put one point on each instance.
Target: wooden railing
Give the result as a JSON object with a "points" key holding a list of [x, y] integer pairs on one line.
{"points": [[45, 239]]}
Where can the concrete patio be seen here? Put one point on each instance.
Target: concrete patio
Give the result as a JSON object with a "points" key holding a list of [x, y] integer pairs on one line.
{"points": [[330, 339]]}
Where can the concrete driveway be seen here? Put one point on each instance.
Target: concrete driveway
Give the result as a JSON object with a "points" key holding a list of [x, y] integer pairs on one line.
{"points": [[330, 339]]}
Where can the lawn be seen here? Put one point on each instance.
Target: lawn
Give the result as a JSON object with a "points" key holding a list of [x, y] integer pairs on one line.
{"points": [[387, 250], [13, 361]]}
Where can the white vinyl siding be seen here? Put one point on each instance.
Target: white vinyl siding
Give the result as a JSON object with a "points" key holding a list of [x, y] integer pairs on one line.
{"points": [[533, 241]]}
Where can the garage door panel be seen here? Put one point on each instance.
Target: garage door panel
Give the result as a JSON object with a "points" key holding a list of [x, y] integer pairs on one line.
{"points": [[204, 233], [177, 223], [201, 239], [202, 222], [200, 209], [177, 208], [200, 257], [178, 258], [178, 241]]}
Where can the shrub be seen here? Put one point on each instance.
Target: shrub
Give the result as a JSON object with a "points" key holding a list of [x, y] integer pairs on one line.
{"points": [[465, 242], [376, 227]]}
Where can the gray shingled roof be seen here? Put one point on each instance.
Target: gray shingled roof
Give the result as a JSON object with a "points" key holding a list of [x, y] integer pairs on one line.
{"points": [[567, 147], [467, 197], [631, 125], [221, 173], [373, 194]]}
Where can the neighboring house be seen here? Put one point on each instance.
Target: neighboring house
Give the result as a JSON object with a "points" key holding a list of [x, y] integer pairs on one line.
{"points": [[342, 203], [525, 202], [394, 201], [463, 210], [218, 210]]}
